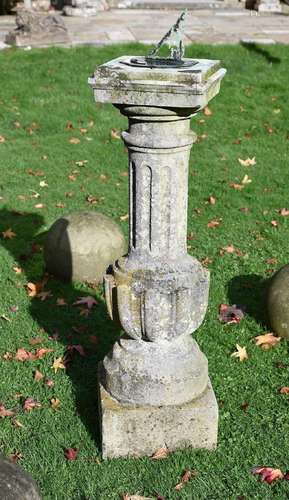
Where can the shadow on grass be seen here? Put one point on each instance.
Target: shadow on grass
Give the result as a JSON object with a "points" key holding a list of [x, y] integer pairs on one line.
{"points": [[250, 291], [96, 333], [253, 47]]}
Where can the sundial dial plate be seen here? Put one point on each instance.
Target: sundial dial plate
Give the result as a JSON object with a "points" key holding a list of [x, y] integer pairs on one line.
{"points": [[159, 62]]}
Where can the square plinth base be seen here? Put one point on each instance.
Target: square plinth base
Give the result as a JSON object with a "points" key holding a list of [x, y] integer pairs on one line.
{"points": [[130, 430]]}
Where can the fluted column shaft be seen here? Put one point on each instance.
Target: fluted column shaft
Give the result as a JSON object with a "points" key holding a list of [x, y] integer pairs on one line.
{"points": [[159, 142]]}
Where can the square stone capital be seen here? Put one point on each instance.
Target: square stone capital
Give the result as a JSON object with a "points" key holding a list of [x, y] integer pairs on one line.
{"points": [[123, 81]]}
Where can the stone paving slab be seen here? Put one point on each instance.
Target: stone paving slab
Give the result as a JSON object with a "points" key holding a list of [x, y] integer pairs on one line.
{"points": [[148, 26]]}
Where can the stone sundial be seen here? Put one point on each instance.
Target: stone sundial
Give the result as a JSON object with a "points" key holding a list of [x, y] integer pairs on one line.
{"points": [[174, 39], [154, 384]]}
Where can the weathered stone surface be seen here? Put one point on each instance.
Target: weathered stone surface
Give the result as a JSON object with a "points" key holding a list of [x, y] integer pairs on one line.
{"points": [[278, 302], [35, 28], [155, 373], [132, 430], [271, 6], [84, 8], [157, 292], [191, 87], [15, 483], [80, 246]]}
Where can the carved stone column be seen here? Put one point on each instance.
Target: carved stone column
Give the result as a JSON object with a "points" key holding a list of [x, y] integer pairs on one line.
{"points": [[155, 381]]}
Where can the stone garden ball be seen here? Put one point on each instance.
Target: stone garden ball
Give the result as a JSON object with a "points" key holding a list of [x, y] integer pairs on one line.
{"points": [[278, 302], [80, 246]]}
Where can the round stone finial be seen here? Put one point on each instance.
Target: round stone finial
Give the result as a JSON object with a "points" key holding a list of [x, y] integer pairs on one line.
{"points": [[15, 483], [278, 302], [81, 245]]}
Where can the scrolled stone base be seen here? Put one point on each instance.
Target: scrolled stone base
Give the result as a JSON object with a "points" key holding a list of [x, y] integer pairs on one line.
{"points": [[135, 431]]}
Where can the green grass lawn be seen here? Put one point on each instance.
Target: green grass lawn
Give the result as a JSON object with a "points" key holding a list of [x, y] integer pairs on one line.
{"points": [[44, 102]]}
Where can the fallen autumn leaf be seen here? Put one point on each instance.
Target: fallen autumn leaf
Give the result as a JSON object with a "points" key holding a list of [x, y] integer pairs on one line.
{"points": [[241, 353], [160, 453], [249, 162], [29, 404], [230, 314], [267, 340], [268, 474], [71, 453]]}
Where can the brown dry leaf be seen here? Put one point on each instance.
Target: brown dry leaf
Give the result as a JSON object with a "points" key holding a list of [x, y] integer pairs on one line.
{"points": [[49, 382], [212, 200], [60, 204], [17, 270], [2, 139], [230, 314], [274, 223], [14, 457], [17, 124], [214, 223], [103, 177], [161, 453], [267, 341], [6, 413], [87, 301], [41, 352], [92, 199], [72, 177], [187, 475], [3, 316], [37, 173], [74, 140], [81, 163], [8, 234], [23, 355], [29, 404], [40, 205], [268, 474], [55, 403], [58, 364], [124, 217], [34, 288], [7, 356], [35, 341], [207, 111], [241, 353], [237, 186], [44, 295], [228, 249], [115, 134], [246, 180], [38, 375], [284, 212], [271, 261], [61, 302], [83, 130], [249, 162], [17, 423], [206, 261], [84, 312], [284, 390]]}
